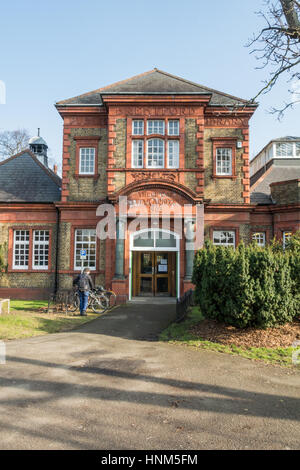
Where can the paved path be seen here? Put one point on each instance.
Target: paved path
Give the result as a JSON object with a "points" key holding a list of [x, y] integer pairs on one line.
{"points": [[110, 385]]}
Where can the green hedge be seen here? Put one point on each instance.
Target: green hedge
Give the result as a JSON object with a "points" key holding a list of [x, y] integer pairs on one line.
{"points": [[249, 285]]}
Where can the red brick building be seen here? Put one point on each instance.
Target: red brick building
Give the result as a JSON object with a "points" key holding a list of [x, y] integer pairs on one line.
{"points": [[166, 144]]}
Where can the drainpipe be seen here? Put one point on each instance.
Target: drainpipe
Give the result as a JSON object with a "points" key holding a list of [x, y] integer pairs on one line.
{"points": [[57, 249], [189, 250], [119, 266]]}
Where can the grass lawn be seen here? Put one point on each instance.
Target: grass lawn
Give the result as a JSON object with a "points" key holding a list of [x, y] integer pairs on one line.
{"points": [[27, 305], [26, 320], [178, 333]]}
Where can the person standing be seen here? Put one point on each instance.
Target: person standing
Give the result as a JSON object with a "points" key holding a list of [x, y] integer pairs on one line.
{"points": [[84, 284]]}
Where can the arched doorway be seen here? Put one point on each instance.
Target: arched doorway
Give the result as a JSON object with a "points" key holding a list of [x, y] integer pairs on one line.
{"points": [[154, 263]]}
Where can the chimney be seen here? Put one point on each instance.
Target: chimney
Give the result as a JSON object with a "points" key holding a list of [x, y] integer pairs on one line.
{"points": [[55, 169]]}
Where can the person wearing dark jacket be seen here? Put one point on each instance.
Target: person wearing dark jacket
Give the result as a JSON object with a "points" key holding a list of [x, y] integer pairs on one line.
{"points": [[84, 283]]}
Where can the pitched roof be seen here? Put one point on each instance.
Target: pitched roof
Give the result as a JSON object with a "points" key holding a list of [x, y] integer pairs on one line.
{"points": [[23, 178], [260, 190], [154, 82], [288, 138]]}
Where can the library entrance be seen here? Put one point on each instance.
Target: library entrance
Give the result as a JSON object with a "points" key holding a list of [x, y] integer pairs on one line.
{"points": [[154, 274], [154, 263]]}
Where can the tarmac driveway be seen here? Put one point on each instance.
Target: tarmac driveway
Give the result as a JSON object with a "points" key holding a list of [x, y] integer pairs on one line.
{"points": [[111, 385]]}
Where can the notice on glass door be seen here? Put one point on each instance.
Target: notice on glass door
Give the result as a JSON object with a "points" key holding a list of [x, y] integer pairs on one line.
{"points": [[162, 268]]}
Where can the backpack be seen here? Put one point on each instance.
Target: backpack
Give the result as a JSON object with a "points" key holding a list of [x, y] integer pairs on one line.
{"points": [[83, 282]]}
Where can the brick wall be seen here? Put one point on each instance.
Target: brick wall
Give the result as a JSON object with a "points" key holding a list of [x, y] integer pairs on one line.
{"points": [[223, 190], [190, 152], [64, 241], [190, 143], [243, 230], [65, 263], [287, 192], [245, 233], [120, 144], [119, 154], [14, 281], [87, 188]]}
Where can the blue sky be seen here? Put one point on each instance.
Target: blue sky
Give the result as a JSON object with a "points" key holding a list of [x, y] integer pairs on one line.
{"points": [[53, 50]]}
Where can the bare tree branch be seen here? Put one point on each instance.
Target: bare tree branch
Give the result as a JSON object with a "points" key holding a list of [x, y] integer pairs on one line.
{"points": [[277, 46], [12, 142]]}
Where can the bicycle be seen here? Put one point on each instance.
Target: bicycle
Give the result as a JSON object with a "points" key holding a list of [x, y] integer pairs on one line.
{"points": [[110, 295], [98, 301]]}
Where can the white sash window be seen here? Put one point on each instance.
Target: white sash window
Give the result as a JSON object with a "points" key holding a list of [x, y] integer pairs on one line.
{"points": [[224, 237], [137, 153], [21, 249], [40, 254], [155, 153], [156, 126], [260, 238], [224, 161], [85, 239], [173, 127], [138, 127], [173, 153], [87, 161]]}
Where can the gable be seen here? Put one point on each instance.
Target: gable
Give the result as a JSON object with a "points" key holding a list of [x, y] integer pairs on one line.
{"points": [[155, 82]]}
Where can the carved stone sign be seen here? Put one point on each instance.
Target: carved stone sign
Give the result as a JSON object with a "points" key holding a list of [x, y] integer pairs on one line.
{"points": [[155, 198], [219, 121], [144, 175], [156, 110]]}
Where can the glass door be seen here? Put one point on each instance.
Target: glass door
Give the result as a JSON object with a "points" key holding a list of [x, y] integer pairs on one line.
{"points": [[146, 272], [154, 274], [162, 274]]}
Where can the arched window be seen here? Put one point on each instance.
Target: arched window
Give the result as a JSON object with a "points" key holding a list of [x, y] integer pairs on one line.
{"points": [[155, 153], [155, 239]]}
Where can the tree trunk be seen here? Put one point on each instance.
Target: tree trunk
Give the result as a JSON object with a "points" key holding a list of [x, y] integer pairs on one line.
{"points": [[291, 16]]}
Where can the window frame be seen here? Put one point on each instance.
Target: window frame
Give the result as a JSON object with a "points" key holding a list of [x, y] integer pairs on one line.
{"points": [[225, 229], [222, 173], [225, 142], [75, 243], [156, 133], [92, 172], [143, 127], [134, 141], [175, 166], [264, 238], [172, 121], [284, 239], [131, 137], [12, 267], [155, 235], [15, 244], [163, 153], [86, 142], [292, 146], [40, 243]]}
